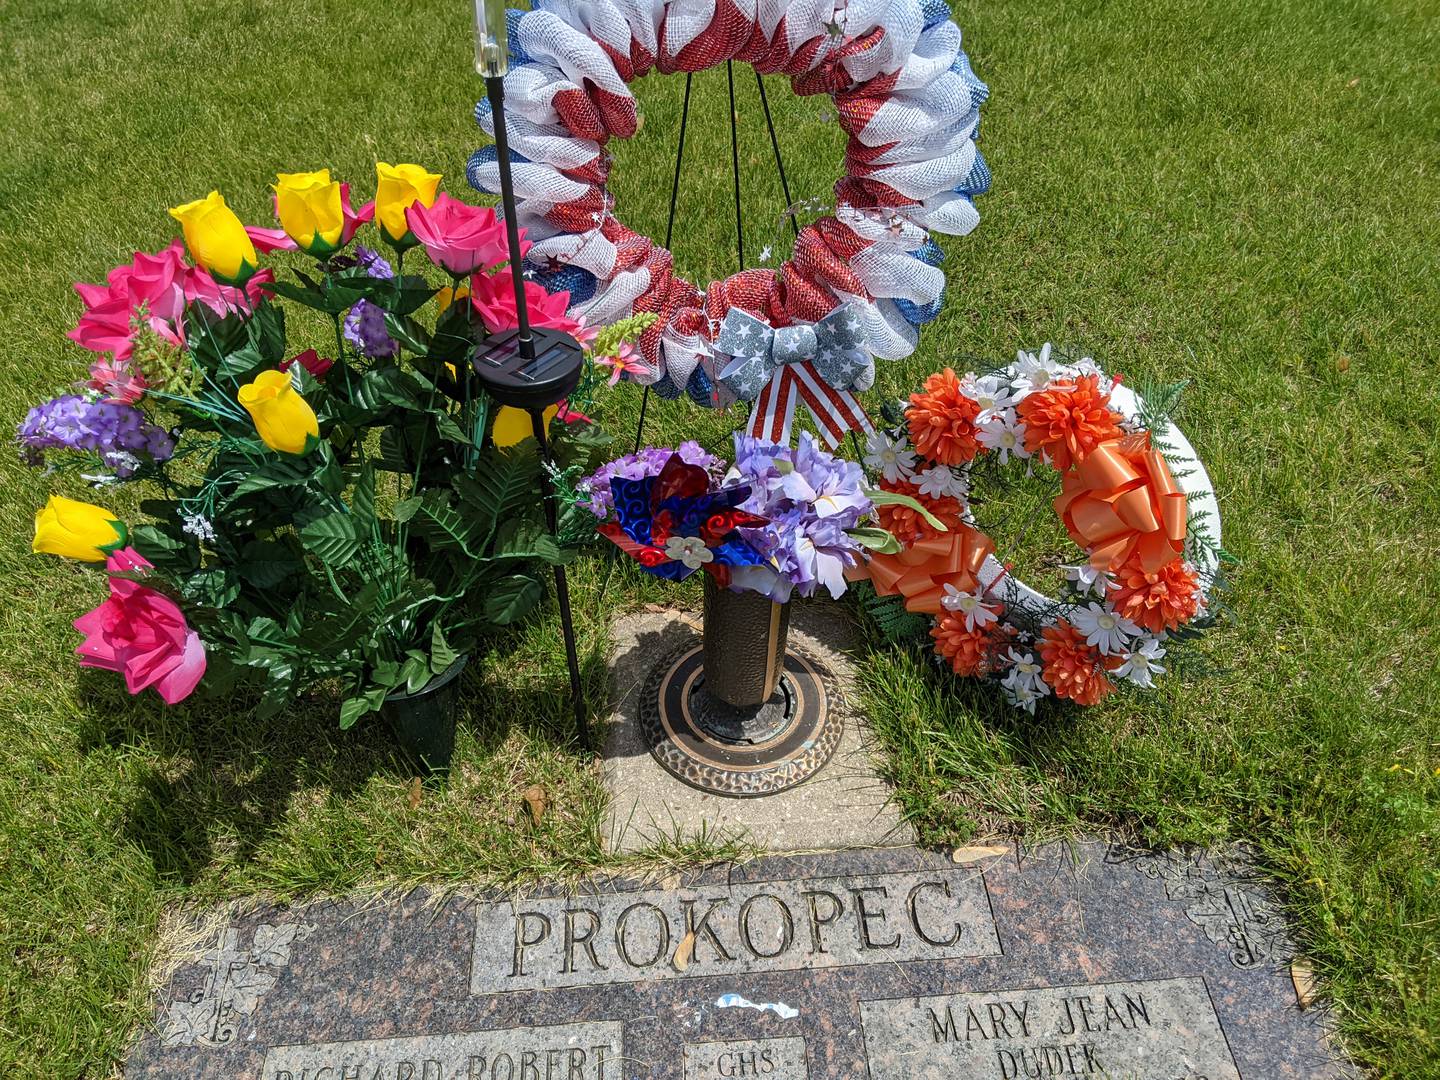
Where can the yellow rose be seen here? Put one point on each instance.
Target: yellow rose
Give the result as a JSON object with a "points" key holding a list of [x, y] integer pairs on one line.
{"points": [[216, 239], [513, 426], [310, 210], [449, 294], [397, 187], [282, 417], [77, 530]]}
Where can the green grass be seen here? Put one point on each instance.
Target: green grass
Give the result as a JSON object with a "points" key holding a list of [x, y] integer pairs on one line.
{"points": [[1240, 194]]}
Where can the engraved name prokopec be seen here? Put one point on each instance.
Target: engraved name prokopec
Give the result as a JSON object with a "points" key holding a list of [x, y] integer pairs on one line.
{"points": [[550, 942]]}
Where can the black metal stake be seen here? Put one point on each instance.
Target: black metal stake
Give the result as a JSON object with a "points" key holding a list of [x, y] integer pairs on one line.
{"points": [[495, 91], [735, 167], [669, 230], [779, 164], [562, 586]]}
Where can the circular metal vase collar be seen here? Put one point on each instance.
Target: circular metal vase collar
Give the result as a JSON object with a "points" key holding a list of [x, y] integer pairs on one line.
{"points": [[740, 751]]}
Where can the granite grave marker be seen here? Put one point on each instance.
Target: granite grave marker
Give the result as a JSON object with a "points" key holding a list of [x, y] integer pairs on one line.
{"points": [[1085, 960]]}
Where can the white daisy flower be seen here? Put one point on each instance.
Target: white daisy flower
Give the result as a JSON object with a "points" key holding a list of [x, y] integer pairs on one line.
{"points": [[690, 550], [1023, 694], [938, 481], [891, 458], [1106, 630], [991, 394], [1024, 665], [969, 605], [1004, 436], [1032, 372], [1085, 579], [1141, 665]]}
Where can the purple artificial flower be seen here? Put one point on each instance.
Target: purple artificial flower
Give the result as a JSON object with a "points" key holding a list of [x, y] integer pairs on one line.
{"points": [[373, 263], [365, 329], [119, 434], [647, 462], [811, 498]]}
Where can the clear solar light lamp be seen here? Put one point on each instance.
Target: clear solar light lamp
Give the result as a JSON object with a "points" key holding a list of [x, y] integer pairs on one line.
{"points": [[491, 49]]}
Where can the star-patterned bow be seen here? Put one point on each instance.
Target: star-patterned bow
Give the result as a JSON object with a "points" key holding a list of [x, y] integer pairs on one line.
{"points": [[775, 366], [674, 524]]}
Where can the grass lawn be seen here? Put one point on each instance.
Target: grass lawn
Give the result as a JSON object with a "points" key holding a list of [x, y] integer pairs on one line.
{"points": [[1242, 194]]}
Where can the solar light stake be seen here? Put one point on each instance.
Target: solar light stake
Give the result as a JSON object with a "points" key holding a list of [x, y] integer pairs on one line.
{"points": [[562, 587], [491, 62], [506, 362], [495, 91]]}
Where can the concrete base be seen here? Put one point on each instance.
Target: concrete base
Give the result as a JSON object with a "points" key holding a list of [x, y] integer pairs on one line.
{"points": [[844, 805]]}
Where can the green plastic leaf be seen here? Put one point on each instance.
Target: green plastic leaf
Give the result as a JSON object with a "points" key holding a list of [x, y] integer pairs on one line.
{"points": [[311, 298], [214, 587], [168, 551], [506, 485], [447, 527], [362, 499], [352, 709], [406, 509], [387, 386], [895, 498], [511, 598], [876, 539], [408, 332], [441, 654], [264, 563], [332, 539], [416, 672], [277, 472]]}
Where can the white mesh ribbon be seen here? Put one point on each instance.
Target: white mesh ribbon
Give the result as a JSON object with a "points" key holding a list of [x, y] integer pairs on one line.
{"points": [[908, 101]]}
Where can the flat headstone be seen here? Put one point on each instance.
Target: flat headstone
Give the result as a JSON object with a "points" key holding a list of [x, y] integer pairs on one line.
{"points": [[1077, 960], [775, 1059], [846, 804]]}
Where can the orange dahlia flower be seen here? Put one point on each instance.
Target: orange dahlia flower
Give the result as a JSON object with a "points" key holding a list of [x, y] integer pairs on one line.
{"points": [[1072, 668], [1159, 601], [1068, 420], [906, 525], [942, 421], [970, 652]]}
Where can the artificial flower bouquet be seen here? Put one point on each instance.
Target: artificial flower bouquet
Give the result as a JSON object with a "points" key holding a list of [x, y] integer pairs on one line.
{"points": [[352, 510], [780, 521], [1128, 488]]}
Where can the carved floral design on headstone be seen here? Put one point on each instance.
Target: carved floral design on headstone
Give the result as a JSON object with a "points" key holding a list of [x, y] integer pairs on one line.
{"points": [[1223, 895], [236, 980]]}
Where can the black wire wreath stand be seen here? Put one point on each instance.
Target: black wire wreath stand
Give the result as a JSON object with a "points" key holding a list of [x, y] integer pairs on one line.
{"points": [[741, 713]]}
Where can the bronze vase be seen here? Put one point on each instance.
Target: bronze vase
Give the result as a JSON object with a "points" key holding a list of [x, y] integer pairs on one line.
{"points": [[745, 639]]}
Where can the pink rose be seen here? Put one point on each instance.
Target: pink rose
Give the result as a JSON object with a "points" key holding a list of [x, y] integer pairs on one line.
{"points": [[311, 361], [460, 238], [142, 634], [164, 283], [494, 300]]}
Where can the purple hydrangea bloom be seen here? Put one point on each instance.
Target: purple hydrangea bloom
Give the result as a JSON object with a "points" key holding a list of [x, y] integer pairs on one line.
{"points": [[365, 329], [811, 498], [373, 263], [647, 462], [119, 434]]}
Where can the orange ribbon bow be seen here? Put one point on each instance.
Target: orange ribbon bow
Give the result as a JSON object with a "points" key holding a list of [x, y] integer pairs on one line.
{"points": [[1122, 499], [921, 571]]}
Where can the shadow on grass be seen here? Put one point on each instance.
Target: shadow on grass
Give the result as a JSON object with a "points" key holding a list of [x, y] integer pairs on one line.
{"points": [[213, 783]]}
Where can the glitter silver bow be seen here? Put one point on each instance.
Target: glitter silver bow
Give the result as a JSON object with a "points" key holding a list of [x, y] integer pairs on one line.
{"points": [[834, 347]]}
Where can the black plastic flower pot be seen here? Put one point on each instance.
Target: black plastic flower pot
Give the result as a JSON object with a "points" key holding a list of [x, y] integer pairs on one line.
{"points": [[745, 640], [424, 722]]}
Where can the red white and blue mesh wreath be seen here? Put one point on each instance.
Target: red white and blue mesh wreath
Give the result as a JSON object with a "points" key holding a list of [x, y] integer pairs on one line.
{"points": [[906, 97]]}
